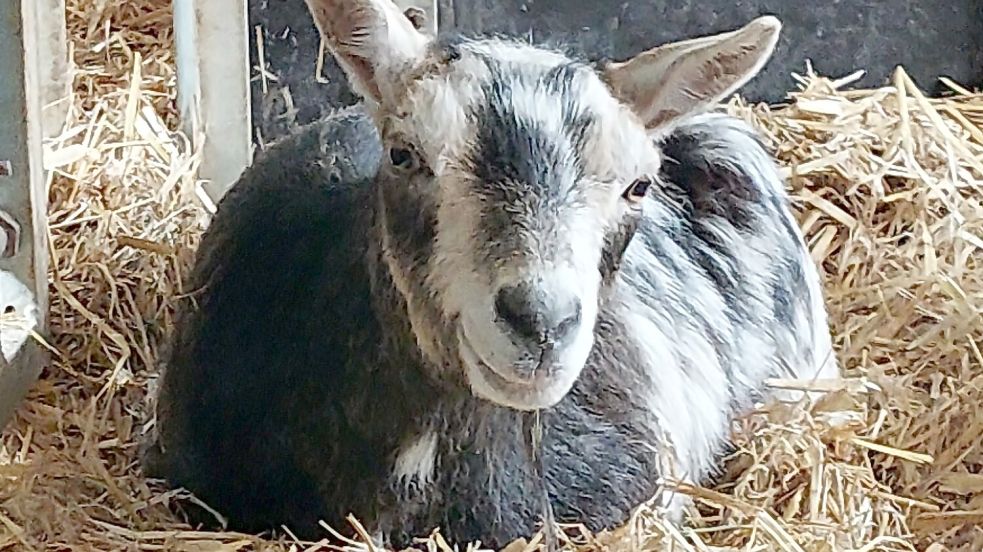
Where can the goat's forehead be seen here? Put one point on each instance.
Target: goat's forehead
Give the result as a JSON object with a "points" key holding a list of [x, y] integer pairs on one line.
{"points": [[526, 85], [511, 52]]}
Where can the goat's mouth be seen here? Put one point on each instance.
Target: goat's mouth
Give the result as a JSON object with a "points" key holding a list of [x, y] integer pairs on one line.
{"points": [[545, 386]]}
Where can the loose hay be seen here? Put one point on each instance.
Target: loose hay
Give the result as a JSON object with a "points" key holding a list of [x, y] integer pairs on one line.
{"points": [[887, 187]]}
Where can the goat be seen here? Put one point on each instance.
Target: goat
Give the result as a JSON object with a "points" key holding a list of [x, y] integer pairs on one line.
{"points": [[498, 230]]}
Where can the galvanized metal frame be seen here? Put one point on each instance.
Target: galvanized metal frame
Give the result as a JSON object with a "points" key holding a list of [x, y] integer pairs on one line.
{"points": [[32, 65]]}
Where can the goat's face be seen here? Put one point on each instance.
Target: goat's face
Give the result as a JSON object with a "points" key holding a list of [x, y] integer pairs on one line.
{"points": [[513, 181], [528, 175]]}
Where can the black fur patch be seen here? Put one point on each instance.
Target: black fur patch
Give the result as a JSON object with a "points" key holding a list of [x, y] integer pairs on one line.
{"points": [[523, 176], [722, 268], [656, 242], [513, 158], [411, 221], [790, 283], [561, 81], [615, 245], [710, 190], [781, 205]]}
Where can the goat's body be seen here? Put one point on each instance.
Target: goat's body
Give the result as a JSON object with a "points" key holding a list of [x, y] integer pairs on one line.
{"points": [[295, 391]]}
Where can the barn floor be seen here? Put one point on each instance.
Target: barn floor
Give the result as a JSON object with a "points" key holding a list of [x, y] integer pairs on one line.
{"points": [[888, 188]]}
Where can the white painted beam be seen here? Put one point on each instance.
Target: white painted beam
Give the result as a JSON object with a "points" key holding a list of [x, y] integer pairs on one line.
{"points": [[212, 44], [53, 67]]}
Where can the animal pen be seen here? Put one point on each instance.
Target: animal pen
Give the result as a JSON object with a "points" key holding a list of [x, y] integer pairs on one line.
{"points": [[126, 121]]}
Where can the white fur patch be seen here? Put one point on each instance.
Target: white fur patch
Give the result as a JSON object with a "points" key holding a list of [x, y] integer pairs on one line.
{"points": [[692, 404], [416, 460]]}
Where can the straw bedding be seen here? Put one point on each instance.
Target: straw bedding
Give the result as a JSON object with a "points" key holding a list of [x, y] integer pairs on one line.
{"points": [[886, 184]]}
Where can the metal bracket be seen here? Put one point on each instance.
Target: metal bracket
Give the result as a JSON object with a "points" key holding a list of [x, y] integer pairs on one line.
{"points": [[30, 46]]}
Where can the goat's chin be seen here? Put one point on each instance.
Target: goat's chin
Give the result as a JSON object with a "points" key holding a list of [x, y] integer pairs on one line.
{"points": [[503, 386]]}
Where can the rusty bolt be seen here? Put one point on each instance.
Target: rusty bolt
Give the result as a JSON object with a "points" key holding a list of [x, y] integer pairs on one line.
{"points": [[5, 167], [9, 235]]}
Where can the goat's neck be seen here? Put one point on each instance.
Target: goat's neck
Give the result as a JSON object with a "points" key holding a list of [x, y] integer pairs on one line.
{"points": [[387, 302]]}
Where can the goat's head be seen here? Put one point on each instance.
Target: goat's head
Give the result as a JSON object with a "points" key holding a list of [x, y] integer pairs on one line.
{"points": [[513, 180]]}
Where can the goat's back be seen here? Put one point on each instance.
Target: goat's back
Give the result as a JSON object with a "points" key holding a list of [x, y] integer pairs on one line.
{"points": [[264, 325], [718, 291]]}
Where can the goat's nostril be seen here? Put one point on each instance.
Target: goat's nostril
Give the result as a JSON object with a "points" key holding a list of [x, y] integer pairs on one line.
{"points": [[532, 318], [516, 306]]}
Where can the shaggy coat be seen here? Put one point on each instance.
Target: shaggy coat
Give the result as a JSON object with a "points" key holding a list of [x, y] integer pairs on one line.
{"points": [[317, 368]]}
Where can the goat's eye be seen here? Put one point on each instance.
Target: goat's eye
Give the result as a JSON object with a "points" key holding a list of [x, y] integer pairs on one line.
{"points": [[637, 190], [402, 158]]}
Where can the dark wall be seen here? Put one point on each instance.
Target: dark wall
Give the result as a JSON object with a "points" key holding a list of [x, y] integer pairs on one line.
{"points": [[931, 38], [290, 44]]}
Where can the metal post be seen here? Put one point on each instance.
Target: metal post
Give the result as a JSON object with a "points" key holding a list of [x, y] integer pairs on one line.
{"points": [[212, 43], [53, 69], [213, 87], [23, 202]]}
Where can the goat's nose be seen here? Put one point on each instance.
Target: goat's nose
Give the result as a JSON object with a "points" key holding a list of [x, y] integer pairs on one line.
{"points": [[536, 317]]}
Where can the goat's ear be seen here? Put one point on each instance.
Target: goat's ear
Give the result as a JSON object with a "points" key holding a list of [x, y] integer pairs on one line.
{"points": [[677, 79], [372, 40]]}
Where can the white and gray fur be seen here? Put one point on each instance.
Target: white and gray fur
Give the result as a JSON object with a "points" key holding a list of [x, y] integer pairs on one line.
{"points": [[383, 296]]}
